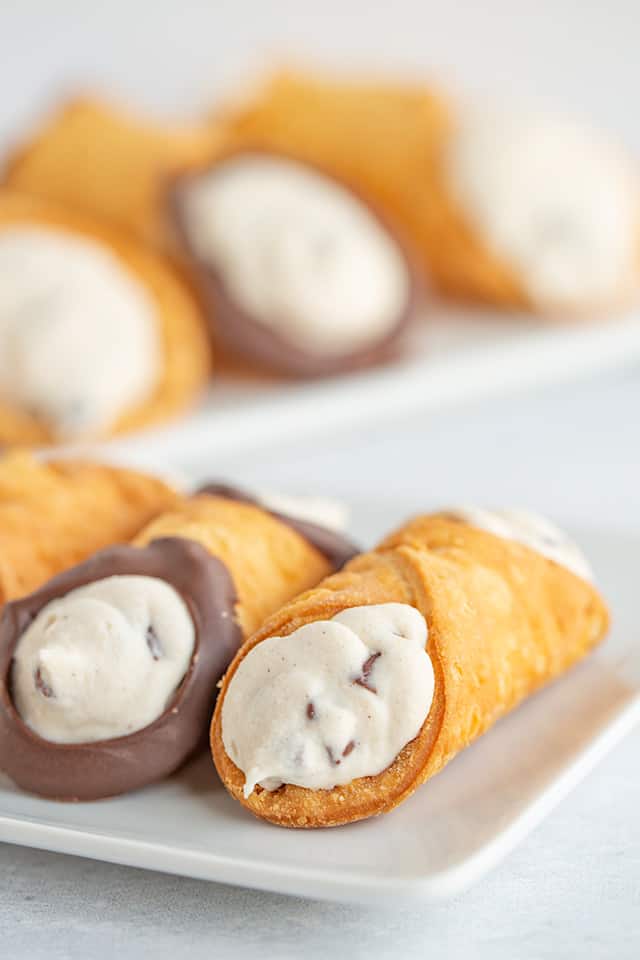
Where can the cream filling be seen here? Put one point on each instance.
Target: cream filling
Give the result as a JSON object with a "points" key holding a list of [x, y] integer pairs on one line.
{"points": [[79, 338], [335, 700], [298, 252], [533, 531], [558, 203], [102, 661]]}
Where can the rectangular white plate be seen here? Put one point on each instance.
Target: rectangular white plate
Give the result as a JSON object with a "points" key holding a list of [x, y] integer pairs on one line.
{"points": [[455, 356], [441, 840]]}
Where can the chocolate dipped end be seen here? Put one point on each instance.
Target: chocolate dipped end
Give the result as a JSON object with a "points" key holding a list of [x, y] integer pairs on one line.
{"points": [[92, 771], [245, 335], [333, 545]]}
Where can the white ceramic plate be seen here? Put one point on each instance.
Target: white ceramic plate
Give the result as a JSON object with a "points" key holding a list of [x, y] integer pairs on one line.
{"points": [[457, 356], [441, 840]]}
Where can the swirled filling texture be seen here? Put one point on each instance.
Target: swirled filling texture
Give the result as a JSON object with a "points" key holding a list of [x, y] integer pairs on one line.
{"points": [[104, 660], [335, 700], [298, 252]]}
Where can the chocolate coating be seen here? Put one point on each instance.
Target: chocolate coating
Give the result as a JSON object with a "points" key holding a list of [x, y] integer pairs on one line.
{"points": [[337, 548], [91, 771], [246, 336]]}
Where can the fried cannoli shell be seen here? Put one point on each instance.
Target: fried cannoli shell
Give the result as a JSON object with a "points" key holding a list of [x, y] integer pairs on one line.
{"points": [[107, 163], [389, 141], [503, 621], [55, 514], [245, 338], [335, 546], [233, 564], [392, 142], [268, 558]]}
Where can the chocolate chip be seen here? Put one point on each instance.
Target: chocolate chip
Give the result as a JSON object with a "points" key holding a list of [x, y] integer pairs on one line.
{"points": [[367, 667], [153, 643], [345, 753], [311, 711], [42, 685]]}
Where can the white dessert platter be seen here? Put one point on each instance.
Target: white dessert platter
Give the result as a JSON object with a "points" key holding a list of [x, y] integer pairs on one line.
{"points": [[444, 838], [454, 356]]}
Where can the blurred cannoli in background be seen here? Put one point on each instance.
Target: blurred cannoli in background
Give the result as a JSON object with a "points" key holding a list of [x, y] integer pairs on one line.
{"points": [[503, 207], [108, 162], [99, 334], [301, 230], [299, 274]]}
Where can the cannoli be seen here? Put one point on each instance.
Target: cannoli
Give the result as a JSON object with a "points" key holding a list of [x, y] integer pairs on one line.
{"points": [[108, 164], [98, 335], [108, 672], [300, 274], [506, 208], [270, 556], [361, 689], [55, 514]]}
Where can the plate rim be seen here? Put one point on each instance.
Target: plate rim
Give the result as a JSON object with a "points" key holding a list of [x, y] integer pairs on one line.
{"points": [[323, 884]]}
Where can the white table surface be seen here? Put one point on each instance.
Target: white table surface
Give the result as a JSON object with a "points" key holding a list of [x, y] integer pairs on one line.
{"points": [[573, 889]]}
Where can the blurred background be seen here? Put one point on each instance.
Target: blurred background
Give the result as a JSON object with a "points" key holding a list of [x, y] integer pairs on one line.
{"points": [[174, 57], [570, 450]]}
